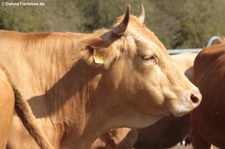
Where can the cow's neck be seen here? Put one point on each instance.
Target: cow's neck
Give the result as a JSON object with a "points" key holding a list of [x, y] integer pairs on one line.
{"points": [[102, 115], [103, 120]]}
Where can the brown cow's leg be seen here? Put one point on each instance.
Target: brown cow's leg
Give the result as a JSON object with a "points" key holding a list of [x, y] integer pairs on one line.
{"points": [[199, 142]]}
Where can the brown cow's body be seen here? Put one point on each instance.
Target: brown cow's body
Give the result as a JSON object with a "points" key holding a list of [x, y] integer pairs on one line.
{"points": [[209, 118], [82, 85], [165, 133]]}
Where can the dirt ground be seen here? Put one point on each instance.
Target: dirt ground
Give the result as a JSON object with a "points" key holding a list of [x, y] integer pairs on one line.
{"points": [[182, 147], [186, 147]]}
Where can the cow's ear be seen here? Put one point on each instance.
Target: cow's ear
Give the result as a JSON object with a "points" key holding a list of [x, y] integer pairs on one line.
{"points": [[96, 52]]}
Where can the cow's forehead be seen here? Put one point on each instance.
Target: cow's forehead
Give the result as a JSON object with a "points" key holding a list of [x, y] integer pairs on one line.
{"points": [[145, 37], [146, 44]]}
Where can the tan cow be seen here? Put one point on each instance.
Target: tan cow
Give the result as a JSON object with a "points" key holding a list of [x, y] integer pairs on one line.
{"points": [[7, 107], [185, 62], [120, 138], [10, 99], [165, 133], [81, 85]]}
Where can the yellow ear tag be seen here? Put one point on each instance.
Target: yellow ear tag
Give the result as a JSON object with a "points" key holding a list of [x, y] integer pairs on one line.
{"points": [[98, 58]]}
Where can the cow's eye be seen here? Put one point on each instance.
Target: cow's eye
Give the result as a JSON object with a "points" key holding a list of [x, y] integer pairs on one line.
{"points": [[149, 59]]}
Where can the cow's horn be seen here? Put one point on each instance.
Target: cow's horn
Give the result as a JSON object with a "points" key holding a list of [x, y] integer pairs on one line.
{"points": [[141, 18], [121, 28]]}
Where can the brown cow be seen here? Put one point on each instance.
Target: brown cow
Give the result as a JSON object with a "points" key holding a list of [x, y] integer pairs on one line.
{"points": [[82, 85], [165, 133], [209, 119], [10, 98]]}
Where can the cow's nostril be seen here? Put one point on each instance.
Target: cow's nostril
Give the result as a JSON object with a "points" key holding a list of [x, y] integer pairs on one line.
{"points": [[194, 98]]}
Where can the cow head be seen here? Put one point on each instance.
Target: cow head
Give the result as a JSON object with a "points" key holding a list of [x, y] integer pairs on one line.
{"points": [[138, 71]]}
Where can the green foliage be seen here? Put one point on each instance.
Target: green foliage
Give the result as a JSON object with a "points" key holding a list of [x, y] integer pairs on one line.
{"points": [[20, 18], [177, 23], [188, 23], [103, 13]]}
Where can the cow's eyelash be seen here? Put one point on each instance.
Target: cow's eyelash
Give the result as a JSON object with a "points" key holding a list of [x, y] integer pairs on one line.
{"points": [[149, 59]]}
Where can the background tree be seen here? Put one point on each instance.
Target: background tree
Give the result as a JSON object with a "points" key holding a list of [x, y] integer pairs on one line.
{"points": [[178, 24], [188, 23]]}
